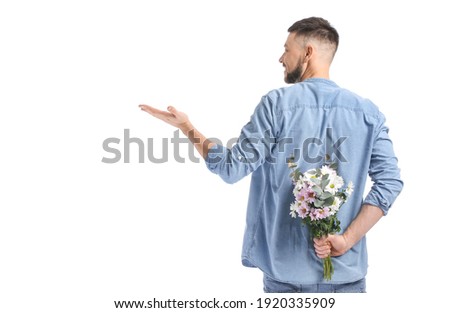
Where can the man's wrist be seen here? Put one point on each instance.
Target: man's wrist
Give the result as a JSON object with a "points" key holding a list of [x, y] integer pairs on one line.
{"points": [[186, 128], [348, 244]]}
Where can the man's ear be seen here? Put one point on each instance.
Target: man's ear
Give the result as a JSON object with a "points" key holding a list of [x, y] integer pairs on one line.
{"points": [[309, 50]]}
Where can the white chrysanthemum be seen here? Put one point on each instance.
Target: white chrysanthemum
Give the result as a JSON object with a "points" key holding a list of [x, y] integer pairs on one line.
{"points": [[309, 175], [328, 170], [293, 210], [331, 188], [349, 189], [338, 181], [298, 186], [334, 184], [336, 204]]}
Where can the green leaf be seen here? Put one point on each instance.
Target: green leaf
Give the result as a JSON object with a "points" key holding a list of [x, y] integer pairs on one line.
{"points": [[324, 183], [328, 201], [318, 203], [317, 190], [326, 195]]}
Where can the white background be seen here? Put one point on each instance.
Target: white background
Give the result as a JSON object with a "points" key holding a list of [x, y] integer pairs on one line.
{"points": [[77, 234]]}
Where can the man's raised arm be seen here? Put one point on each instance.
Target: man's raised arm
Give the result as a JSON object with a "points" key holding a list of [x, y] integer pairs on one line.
{"points": [[181, 121]]}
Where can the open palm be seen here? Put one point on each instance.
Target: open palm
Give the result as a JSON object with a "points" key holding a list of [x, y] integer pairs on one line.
{"points": [[171, 116]]}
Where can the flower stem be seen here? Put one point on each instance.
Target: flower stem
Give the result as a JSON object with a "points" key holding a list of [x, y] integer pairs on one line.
{"points": [[328, 269]]}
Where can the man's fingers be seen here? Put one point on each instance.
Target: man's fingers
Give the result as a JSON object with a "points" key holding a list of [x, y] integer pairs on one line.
{"points": [[173, 111], [322, 247], [172, 116], [150, 109], [146, 108], [166, 116], [323, 253], [320, 241]]}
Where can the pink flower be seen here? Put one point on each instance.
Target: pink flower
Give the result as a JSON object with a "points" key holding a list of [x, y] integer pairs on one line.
{"points": [[322, 213], [312, 215], [305, 194], [303, 210], [301, 196], [310, 195]]}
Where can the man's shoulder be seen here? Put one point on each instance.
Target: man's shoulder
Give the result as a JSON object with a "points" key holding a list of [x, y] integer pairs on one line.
{"points": [[351, 100], [279, 92], [306, 92], [286, 94], [288, 90]]}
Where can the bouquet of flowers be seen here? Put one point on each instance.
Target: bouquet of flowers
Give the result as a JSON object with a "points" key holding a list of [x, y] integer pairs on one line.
{"points": [[319, 194]]}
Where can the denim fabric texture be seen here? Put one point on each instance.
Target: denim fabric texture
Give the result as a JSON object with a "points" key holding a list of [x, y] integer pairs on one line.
{"points": [[309, 120], [273, 286]]}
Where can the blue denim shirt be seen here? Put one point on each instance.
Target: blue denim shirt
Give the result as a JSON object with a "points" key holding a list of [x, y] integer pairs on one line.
{"points": [[309, 120]]}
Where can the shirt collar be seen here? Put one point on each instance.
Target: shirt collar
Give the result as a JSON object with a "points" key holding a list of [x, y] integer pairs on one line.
{"points": [[320, 80]]}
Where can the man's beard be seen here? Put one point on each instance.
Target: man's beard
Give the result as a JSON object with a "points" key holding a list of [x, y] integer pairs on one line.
{"points": [[294, 76]]}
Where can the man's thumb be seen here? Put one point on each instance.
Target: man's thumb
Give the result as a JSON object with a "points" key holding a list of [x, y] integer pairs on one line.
{"points": [[331, 238]]}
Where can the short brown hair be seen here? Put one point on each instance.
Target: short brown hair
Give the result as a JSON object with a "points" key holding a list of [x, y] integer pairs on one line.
{"points": [[317, 28]]}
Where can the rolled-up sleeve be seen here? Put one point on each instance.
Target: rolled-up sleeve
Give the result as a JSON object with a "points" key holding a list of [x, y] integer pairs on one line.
{"points": [[252, 148], [383, 171]]}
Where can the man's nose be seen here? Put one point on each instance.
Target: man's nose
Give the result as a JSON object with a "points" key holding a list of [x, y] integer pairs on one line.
{"points": [[281, 58]]}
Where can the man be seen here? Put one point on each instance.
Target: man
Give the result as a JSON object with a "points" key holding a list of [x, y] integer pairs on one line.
{"points": [[310, 119]]}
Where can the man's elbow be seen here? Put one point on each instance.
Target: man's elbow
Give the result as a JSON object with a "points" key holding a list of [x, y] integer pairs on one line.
{"points": [[230, 179]]}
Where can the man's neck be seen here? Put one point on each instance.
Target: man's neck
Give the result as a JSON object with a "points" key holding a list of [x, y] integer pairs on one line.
{"points": [[321, 72]]}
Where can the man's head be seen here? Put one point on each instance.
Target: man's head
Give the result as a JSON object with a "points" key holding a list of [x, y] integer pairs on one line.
{"points": [[309, 49]]}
